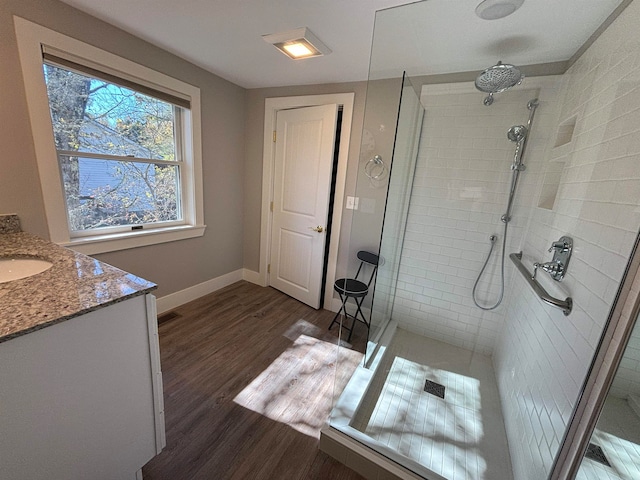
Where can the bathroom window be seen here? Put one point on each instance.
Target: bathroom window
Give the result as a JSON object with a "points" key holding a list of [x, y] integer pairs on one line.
{"points": [[118, 151], [118, 145]]}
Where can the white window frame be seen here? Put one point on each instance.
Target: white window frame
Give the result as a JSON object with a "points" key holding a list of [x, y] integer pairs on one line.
{"points": [[31, 37]]}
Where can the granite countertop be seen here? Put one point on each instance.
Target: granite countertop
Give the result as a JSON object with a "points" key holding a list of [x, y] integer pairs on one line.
{"points": [[74, 285]]}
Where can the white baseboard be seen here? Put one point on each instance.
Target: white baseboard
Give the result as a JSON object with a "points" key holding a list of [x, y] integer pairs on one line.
{"points": [[251, 276], [176, 299], [173, 300]]}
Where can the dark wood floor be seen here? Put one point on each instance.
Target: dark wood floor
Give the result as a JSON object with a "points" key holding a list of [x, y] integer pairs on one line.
{"points": [[249, 379]]}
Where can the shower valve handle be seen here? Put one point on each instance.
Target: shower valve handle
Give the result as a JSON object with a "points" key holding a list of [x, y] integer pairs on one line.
{"points": [[559, 246], [552, 268]]}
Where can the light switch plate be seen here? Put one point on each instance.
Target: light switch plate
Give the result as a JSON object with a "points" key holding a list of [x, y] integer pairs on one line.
{"points": [[352, 203]]}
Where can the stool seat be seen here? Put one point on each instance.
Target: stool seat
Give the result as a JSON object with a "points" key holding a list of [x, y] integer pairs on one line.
{"points": [[351, 287]]}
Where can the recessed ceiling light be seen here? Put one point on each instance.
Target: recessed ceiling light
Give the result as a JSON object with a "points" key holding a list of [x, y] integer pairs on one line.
{"points": [[495, 9], [297, 44]]}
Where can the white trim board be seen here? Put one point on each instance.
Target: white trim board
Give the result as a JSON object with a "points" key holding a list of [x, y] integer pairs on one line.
{"points": [[174, 300], [272, 105], [251, 276]]}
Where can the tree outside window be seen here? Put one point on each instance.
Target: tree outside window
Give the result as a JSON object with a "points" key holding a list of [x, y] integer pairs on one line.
{"points": [[118, 150]]}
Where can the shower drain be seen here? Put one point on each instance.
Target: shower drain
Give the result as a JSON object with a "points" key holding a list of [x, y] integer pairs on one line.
{"points": [[434, 388], [594, 452]]}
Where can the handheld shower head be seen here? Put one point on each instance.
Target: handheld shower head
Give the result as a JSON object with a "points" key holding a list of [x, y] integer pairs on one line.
{"points": [[517, 133]]}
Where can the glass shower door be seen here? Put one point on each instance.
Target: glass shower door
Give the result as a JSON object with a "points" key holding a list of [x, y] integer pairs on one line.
{"points": [[401, 173], [383, 192]]}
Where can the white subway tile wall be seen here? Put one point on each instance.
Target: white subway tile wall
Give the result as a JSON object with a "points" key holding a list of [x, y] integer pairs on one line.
{"points": [[542, 357], [459, 193]]}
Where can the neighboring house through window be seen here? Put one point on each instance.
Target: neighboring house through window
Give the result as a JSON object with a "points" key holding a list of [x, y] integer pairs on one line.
{"points": [[118, 153]]}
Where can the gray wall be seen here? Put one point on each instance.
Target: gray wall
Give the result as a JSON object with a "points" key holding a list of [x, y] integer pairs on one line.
{"points": [[174, 266]]}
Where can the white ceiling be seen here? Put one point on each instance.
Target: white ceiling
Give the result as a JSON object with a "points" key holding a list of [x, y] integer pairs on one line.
{"points": [[447, 38], [225, 36]]}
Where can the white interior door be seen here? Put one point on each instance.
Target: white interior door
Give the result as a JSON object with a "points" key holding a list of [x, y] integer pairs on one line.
{"points": [[305, 142]]}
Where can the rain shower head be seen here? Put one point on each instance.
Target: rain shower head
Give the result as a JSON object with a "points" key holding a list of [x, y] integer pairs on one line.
{"points": [[497, 79], [517, 133]]}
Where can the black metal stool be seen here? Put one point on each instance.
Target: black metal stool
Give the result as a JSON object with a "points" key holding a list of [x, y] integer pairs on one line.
{"points": [[353, 288]]}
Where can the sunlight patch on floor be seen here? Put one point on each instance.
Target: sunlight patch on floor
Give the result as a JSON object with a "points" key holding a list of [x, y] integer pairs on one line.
{"points": [[298, 387]]}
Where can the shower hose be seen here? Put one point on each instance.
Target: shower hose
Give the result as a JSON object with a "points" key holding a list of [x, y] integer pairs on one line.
{"points": [[517, 134], [493, 239]]}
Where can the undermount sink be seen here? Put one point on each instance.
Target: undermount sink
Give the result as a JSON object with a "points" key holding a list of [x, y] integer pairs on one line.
{"points": [[15, 268]]}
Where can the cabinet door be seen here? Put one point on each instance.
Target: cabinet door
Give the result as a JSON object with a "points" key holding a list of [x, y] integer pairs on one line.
{"points": [[77, 398]]}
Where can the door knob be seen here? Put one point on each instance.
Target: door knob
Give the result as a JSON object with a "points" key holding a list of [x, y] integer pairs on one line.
{"points": [[318, 229]]}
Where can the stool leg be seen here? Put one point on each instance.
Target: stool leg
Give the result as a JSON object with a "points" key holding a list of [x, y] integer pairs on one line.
{"points": [[335, 319], [367, 323], [359, 311], [342, 307], [353, 326], [355, 317]]}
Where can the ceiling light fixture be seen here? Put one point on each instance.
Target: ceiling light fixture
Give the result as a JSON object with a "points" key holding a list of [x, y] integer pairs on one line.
{"points": [[297, 44], [495, 9]]}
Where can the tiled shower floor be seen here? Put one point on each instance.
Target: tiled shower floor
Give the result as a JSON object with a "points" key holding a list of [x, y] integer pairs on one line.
{"points": [[462, 436], [618, 434]]}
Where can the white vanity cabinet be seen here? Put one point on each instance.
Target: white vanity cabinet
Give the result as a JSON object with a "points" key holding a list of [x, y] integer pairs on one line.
{"points": [[82, 399]]}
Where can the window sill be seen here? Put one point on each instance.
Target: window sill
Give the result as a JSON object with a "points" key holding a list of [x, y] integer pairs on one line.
{"points": [[139, 238]]}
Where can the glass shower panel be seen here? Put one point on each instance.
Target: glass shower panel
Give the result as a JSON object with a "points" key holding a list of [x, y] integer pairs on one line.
{"points": [[376, 150], [367, 215], [392, 125], [373, 169], [403, 166], [614, 448]]}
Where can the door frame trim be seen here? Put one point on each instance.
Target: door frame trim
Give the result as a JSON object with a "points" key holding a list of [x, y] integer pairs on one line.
{"points": [[271, 108]]}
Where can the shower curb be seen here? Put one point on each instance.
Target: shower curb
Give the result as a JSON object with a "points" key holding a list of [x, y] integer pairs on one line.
{"points": [[363, 460]]}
